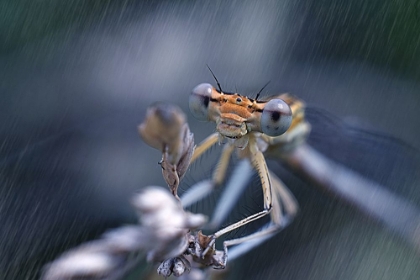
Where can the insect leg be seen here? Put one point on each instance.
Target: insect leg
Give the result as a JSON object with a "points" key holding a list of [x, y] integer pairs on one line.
{"points": [[204, 146], [270, 205], [258, 162], [284, 210], [203, 188]]}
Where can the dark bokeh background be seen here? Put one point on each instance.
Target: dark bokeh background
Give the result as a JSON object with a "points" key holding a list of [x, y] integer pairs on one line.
{"points": [[77, 76]]}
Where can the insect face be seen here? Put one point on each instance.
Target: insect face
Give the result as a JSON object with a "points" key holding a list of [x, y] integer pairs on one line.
{"points": [[236, 115]]}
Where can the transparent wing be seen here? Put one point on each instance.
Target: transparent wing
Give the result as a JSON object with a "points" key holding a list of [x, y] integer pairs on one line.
{"points": [[335, 232]]}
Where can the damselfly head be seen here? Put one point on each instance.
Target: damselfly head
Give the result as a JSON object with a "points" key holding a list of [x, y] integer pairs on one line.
{"points": [[236, 115]]}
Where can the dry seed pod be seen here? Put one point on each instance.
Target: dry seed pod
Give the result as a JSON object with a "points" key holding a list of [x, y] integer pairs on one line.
{"points": [[165, 128]]}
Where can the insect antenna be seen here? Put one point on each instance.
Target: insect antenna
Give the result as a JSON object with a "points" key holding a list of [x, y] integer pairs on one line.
{"points": [[258, 94], [218, 84]]}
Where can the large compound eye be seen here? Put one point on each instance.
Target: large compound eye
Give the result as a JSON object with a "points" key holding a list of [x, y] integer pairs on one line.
{"points": [[199, 101], [276, 117]]}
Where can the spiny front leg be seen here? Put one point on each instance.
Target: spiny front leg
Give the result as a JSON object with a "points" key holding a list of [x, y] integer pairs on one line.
{"points": [[260, 165]]}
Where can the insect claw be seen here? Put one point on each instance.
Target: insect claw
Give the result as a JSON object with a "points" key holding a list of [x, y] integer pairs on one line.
{"points": [[210, 246]]}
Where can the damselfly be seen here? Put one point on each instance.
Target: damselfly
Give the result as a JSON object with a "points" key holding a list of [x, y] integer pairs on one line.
{"points": [[251, 143], [228, 110]]}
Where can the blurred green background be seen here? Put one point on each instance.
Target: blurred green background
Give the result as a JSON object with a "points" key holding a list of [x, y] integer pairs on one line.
{"points": [[385, 33]]}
